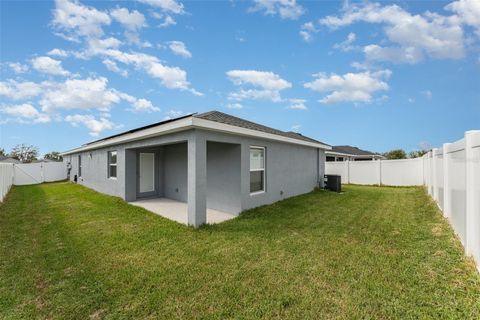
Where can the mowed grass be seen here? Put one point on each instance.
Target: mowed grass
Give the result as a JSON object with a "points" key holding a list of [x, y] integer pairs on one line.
{"points": [[67, 252]]}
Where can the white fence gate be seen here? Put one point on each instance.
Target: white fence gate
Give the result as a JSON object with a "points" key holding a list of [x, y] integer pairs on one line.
{"points": [[450, 173], [33, 173], [29, 173]]}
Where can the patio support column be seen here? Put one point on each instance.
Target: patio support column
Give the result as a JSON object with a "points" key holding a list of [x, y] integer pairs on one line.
{"points": [[197, 179]]}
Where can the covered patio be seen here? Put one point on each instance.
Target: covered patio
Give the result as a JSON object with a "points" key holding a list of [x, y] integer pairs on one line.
{"points": [[189, 180], [178, 211]]}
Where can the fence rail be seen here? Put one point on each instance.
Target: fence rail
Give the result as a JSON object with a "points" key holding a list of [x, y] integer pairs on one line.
{"points": [[451, 175]]}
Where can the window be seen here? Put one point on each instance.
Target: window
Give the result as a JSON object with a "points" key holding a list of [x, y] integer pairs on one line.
{"points": [[112, 164], [330, 159], [257, 169], [79, 165]]}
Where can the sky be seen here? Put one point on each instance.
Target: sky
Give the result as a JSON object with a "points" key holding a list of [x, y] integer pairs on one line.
{"points": [[376, 75]]}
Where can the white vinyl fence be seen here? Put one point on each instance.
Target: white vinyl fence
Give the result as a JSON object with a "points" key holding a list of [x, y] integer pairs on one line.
{"points": [[33, 173], [6, 179], [29, 173], [408, 172], [450, 173], [453, 181]]}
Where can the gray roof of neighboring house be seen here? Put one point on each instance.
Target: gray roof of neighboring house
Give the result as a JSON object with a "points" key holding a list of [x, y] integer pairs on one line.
{"points": [[353, 151], [224, 118], [8, 160], [221, 117]]}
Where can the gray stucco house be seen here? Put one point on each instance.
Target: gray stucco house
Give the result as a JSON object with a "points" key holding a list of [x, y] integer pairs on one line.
{"points": [[208, 160]]}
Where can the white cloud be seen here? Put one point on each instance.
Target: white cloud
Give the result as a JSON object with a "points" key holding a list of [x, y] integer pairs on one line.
{"points": [[295, 127], [95, 126], [112, 66], [350, 87], [267, 85], [26, 113], [306, 31], [49, 66], [427, 94], [168, 21], [234, 106], [468, 11], [143, 105], [171, 6], [78, 20], [286, 9], [90, 93], [297, 104], [172, 114], [58, 52], [179, 48], [171, 77], [133, 20], [412, 37], [346, 45], [18, 67], [80, 94], [19, 90]]}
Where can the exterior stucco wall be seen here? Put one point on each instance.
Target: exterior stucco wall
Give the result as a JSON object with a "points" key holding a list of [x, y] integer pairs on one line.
{"points": [[223, 177], [290, 169], [94, 171], [175, 172]]}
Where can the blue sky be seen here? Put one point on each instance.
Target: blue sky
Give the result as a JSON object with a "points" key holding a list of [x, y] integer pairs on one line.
{"points": [[374, 75]]}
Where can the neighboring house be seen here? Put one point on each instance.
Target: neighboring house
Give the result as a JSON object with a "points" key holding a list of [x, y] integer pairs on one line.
{"points": [[209, 160], [4, 159], [344, 153]]}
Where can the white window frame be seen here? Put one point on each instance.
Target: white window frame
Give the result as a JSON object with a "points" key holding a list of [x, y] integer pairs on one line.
{"points": [[263, 170], [109, 164], [79, 159]]}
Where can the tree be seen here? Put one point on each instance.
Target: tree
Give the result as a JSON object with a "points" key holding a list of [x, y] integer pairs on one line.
{"points": [[395, 154], [24, 153], [417, 154], [2, 152], [54, 155]]}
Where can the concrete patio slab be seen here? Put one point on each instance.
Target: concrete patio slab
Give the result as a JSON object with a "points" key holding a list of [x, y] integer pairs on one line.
{"points": [[177, 210]]}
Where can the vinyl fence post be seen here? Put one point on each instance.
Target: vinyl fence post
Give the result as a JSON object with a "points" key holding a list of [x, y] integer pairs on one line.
{"points": [[434, 175], [380, 172], [447, 195], [472, 219], [347, 164]]}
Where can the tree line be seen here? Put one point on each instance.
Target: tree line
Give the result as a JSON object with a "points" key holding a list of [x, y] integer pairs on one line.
{"points": [[28, 153], [401, 154]]}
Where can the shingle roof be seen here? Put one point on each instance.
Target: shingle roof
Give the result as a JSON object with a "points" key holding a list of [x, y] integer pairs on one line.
{"points": [[352, 150], [221, 117]]}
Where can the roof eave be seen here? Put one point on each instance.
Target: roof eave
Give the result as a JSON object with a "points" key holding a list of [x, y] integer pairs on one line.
{"points": [[189, 123]]}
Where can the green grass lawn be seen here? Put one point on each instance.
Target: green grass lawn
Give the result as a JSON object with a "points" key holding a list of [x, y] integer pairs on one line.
{"points": [[371, 252]]}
